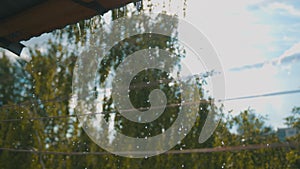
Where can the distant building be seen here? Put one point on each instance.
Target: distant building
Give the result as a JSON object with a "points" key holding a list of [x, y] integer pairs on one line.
{"points": [[284, 133]]}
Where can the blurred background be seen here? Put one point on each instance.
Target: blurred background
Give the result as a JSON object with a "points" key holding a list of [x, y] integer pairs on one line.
{"points": [[258, 46]]}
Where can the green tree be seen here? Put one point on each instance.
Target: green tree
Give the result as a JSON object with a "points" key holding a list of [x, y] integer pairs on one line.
{"points": [[43, 87]]}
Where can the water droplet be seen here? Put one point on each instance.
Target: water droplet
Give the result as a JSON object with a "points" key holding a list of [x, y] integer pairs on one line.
{"points": [[138, 5]]}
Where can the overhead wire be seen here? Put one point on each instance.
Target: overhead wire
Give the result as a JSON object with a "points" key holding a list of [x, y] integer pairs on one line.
{"points": [[170, 152], [166, 106]]}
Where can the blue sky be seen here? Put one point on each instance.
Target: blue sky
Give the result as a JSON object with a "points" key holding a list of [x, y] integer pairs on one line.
{"points": [[258, 44]]}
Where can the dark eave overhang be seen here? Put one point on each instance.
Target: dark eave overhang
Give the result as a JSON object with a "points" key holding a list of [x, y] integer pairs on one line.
{"points": [[24, 19]]}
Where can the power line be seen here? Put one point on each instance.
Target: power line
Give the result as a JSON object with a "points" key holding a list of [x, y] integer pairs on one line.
{"points": [[139, 85], [26, 103], [105, 112], [171, 152], [264, 95], [235, 148], [167, 106]]}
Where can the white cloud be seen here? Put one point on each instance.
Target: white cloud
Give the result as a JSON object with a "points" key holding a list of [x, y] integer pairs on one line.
{"points": [[232, 29], [295, 49], [251, 81], [262, 78], [284, 8], [254, 82], [285, 60]]}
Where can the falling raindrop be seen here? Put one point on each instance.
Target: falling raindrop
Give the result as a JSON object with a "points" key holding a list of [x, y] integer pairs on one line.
{"points": [[79, 29], [139, 5]]}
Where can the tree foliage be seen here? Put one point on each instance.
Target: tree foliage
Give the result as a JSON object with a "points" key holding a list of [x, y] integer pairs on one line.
{"points": [[44, 87]]}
